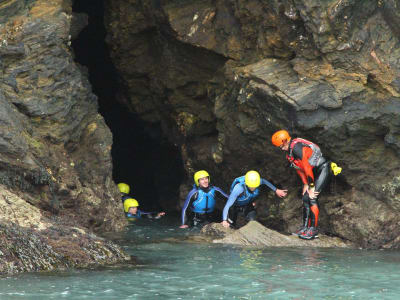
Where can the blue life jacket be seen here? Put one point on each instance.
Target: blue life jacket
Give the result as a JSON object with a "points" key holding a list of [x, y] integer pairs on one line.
{"points": [[247, 196], [135, 216], [205, 201]]}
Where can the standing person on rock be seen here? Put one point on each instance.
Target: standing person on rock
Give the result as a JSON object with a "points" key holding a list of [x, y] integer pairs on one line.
{"points": [[201, 200], [244, 191], [313, 169]]}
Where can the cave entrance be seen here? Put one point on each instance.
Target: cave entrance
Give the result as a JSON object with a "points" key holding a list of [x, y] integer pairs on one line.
{"points": [[141, 156]]}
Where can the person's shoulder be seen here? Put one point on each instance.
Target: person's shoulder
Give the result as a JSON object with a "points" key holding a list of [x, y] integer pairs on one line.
{"points": [[238, 187]]}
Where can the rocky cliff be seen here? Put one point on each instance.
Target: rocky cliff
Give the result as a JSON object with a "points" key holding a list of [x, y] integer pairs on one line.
{"points": [[55, 162], [219, 77], [222, 76]]}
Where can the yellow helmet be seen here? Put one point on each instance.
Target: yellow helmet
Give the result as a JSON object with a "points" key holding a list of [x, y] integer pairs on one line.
{"points": [[123, 188], [130, 202], [252, 179], [200, 174]]}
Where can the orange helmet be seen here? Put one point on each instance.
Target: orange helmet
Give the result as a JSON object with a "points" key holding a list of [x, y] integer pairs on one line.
{"points": [[279, 137]]}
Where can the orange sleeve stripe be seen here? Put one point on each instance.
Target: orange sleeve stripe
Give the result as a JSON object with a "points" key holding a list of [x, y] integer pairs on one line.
{"points": [[307, 152], [302, 176]]}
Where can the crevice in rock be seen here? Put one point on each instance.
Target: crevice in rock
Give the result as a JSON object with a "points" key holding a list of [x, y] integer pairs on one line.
{"points": [[142, 156]]}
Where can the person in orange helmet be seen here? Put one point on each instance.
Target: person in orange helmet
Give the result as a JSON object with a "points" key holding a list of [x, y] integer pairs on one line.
{"points": [[313, 169]]}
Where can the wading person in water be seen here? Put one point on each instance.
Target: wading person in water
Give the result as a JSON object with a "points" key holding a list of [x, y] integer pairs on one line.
{"points": [[124, 190], [132, 212], [244, 191], [201, 202], [313, 169]]}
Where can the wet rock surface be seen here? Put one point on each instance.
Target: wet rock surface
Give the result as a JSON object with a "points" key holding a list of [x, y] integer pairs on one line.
{"points": [[35, 241], [220, 77], [54, 146], [255, 234]]}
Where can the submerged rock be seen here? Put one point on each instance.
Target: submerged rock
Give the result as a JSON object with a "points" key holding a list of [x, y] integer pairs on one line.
{"points": [[30, 241], [255, 234]]}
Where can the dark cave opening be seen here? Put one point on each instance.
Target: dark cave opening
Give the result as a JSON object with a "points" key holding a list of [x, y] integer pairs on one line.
{"points": [[141, 156]]}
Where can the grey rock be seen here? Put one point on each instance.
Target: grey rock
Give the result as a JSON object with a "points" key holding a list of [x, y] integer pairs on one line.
{"points": [[255, 234]]}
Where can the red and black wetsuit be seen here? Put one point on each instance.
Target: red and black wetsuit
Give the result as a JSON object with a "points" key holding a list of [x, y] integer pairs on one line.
{"points": [[312, 167]]}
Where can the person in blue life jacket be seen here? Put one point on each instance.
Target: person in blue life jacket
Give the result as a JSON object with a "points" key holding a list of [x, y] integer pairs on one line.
{"points": [[201, 202], [132, 212], [124, 190], [244, 191]]}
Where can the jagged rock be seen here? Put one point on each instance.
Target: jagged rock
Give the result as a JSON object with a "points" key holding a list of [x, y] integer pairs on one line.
{"points": [[255, 234], [216, 230], [55, 161], [54, 146], [31, 241]]}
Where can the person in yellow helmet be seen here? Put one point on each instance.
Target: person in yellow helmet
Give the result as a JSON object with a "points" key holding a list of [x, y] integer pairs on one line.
{"points": [[132, 212], [244, 191], [313, 169], [124, 190], [201, 201]]}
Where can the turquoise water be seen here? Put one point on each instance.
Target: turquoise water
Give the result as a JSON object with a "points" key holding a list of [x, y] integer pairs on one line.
{"points": [[179, 269]]}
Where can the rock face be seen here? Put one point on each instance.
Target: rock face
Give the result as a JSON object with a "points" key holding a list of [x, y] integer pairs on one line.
{"points": [[254, 234], [54, 146], [222, 76], [33, 240]]}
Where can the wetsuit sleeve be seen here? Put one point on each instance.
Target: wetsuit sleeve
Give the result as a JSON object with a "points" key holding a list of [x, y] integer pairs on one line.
{"points": [[302, 176], [146, 212], [303, 153], [221, 192], [268, 184], [186, 204], [236, 192]]}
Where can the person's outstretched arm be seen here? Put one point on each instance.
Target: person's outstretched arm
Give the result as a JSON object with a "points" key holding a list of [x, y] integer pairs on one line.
{"points": [[268, 184], [237, 190], [278, 192]]}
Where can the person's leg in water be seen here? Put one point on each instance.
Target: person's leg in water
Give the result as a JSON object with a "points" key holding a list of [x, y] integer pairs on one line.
{"points": [[211, 217], [232, 215], [214, 217], [243, 214], [199, 220], [191, 219], [320, 184], [250, 212]]}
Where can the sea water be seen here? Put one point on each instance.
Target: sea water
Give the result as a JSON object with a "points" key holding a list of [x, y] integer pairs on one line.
{"points": [[172, 266]]}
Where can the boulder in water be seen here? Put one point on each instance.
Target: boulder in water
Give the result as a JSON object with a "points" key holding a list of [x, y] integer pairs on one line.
{"points": [[255, 234]]}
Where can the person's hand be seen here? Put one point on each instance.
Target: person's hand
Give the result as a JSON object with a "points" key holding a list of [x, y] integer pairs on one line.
{"points": [[160, 214], [281, 193], [225, 224], [184, 226], [312, 193], [305, 189], [254, 204]]}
